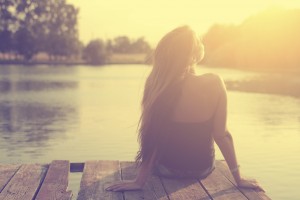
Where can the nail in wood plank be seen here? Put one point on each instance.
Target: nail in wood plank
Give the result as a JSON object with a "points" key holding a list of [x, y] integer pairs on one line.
{"points": [[24, 183], [97, 175], [153, 188], [56, 182]]}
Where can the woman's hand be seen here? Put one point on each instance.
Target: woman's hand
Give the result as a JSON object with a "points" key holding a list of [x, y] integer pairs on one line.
{"points": [[249, 184], [124, 186]]}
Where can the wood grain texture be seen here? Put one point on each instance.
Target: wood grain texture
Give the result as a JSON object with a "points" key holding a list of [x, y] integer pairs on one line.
{"points": [[6, 173], [249, 193], [24, 183], [97, 175], [187, 189], [56, 182], [33, 181], [220, 188], [153, 188]]}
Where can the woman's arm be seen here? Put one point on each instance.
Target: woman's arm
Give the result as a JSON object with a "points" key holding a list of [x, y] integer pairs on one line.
{"points": [[224, 139], [226, 146], [138, 183]]}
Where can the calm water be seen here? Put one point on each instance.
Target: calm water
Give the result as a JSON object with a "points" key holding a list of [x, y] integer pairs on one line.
{"points": [[85, 113]]}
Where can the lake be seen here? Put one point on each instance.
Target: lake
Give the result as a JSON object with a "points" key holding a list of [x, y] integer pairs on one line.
{"points": [[87, 113]]}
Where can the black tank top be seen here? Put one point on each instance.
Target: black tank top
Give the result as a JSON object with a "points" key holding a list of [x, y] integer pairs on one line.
{"points": [[187, 146], [182, 146]]}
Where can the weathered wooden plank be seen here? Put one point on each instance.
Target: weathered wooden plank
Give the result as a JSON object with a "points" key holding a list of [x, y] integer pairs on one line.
{"points": [[97, 175], [56, 182], [24, 183], [219, 187], [6, 173], [153, 188], [186, 189], [249, 193]]}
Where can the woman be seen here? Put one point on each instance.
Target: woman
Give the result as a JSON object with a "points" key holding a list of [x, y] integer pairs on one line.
{"points": [[182, 115]]}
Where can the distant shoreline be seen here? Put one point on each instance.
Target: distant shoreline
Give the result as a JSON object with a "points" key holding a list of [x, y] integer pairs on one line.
{"points": [[266, 86], [270, 82], [120, 59], [28, 63], [71, 63], [141, 59]]}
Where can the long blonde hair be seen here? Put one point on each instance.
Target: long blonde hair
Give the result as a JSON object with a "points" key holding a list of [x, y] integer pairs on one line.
{"points": [[174, 57]]}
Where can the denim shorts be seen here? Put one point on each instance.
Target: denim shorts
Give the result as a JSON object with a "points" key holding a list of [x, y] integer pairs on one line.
{"points": [[163, 171]]}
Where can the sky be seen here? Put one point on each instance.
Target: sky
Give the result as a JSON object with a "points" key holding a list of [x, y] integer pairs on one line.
{"points": [[152, 19]]}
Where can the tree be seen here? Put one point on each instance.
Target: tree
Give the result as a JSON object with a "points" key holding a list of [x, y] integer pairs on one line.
{"points": [[140, 46], [62, 34], [95, 52], [26, 37], [5, 41], [33, 26], [267, 40], [25, 43], [109, 47], [7, 20], [121, 44], [216, 40]]}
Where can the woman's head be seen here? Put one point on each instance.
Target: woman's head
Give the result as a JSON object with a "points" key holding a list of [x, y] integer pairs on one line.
{"points": [[177, 52], [174, 57]]}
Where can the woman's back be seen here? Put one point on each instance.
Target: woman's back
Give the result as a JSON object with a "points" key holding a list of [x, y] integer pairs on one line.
{"points": [[186, 146], [180, 120], [198, 99]]}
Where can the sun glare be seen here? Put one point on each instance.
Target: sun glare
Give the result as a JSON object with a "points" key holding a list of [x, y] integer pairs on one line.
{"points": [[152, 19]]}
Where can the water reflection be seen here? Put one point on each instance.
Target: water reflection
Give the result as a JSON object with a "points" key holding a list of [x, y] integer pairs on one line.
{"points": [[28, 85], [31, 125], [83, 113], [36, 110]]}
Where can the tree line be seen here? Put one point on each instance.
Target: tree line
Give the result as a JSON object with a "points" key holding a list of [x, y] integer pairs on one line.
{"points": [[50, 26], [97, 51], [266, 41], [32, 26]]}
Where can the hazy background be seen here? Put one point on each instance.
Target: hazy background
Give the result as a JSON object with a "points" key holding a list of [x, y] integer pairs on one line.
{"points": [[152, 19], [72, 75]]}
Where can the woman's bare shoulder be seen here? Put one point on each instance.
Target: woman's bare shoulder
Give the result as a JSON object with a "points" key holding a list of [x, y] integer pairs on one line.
{"points": [[210, 79]]}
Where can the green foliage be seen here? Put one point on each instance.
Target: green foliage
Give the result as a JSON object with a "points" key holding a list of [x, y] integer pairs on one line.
{"points": [[50, 26], [5, 41], [25, 43], [32, 26], [140, 46], [267, 41], [98, 52], [217, 38], [95, 52], [123, 44], [6, 21]]}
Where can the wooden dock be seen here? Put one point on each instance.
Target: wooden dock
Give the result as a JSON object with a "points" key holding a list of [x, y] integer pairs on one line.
{"points": [[50, 182]]}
